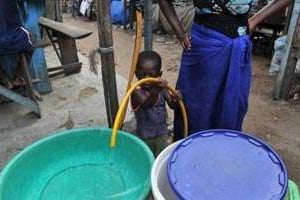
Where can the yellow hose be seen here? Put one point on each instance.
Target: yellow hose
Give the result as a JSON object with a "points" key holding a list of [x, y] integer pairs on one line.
{"points": [[137, 46], [136, 51], [123, 107]]}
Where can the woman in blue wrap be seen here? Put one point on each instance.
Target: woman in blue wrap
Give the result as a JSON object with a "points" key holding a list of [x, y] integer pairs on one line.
{"points": [[215, 72]]}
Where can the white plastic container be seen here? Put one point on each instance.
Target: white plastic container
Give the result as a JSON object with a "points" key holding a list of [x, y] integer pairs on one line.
{"points": [[159, 177]]}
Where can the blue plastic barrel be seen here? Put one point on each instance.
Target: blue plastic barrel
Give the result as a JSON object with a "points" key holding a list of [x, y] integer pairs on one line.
{"points": [[118, 12], [224, 164]]}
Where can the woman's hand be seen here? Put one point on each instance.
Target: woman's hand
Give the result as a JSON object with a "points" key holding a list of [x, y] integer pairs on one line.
{"points": [[185, 41], [169, 11]]}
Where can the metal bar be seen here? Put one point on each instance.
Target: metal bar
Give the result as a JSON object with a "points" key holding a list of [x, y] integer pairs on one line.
{"points": [[53, 44], [131, 13], [288, 18], [288, 64], [125, 14], [107, 60], [26, 102], [148, 24]]}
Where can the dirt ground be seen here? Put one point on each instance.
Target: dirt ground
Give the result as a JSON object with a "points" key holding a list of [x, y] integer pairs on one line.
{"points": [[276, 122]]}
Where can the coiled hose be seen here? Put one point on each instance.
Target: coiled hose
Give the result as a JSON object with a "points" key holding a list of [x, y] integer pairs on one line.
{"points": [[124, 103]]}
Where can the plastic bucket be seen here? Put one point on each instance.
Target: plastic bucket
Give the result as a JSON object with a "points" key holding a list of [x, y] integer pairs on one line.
{"points": [[225, 164], [79, 164], [293, 191], [118, 12], [161, 188]]}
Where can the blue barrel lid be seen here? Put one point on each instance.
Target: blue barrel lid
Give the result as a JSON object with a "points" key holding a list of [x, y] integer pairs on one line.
{"points": [[225, 164]]}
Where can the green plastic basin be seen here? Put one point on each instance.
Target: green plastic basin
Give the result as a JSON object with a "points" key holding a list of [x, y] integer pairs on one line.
{"points": [[79, 165]]}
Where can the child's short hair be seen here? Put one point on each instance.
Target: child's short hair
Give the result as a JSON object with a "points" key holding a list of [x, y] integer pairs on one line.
{"points": [[149, 55]]}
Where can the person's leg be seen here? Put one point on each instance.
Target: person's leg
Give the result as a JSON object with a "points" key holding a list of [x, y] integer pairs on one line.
{"points": [[178, 126], [161, 142], [151, 144], [9, 68], [4, 80]]}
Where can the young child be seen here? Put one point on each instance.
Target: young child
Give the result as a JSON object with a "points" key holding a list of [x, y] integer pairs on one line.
{"points": [[148, 102]]}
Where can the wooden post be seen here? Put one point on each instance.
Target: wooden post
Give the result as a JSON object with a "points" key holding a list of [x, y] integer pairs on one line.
{"points": [[53, 9], [107, 60], [50, 9], [68, 49], [58, 8], [288, 64]]}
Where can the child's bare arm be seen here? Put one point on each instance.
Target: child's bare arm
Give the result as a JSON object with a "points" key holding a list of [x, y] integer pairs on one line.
{"points": [[172, 99], [144, 98], [138, 98]]}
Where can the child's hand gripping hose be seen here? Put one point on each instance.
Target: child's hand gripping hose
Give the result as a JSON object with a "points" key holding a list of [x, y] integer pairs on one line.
{"points": [[123, 107]]}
